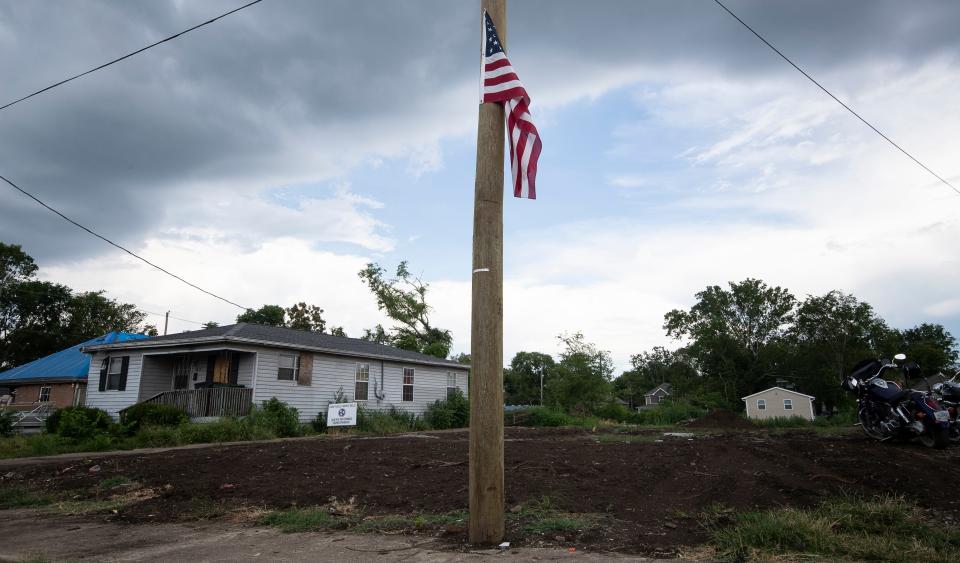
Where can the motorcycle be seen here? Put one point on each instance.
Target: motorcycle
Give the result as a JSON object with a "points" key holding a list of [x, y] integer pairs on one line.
{"points": [[947, 394], [887, 411]]}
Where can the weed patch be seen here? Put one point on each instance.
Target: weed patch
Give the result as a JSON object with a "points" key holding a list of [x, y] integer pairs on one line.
{"points": [[881, 529], [303, 520], [16, 496]]}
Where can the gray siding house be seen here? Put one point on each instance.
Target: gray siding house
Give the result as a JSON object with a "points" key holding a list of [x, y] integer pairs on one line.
{"points": [[223, 370], [658, 394]]}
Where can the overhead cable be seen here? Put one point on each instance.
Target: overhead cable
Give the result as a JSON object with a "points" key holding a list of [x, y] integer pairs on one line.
{"points": [[111, 243], [128, 55], [836, 99]]}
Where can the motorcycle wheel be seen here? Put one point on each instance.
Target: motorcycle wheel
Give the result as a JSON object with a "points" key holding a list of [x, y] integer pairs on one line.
{"points": [[955, 433], [870, 425], [935, 437]]}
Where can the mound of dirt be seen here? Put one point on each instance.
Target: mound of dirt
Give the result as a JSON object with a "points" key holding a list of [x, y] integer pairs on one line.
{"points": [[722, 419]]}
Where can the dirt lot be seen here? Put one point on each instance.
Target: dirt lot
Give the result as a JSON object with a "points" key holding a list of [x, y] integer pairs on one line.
{"points": [[646, 487]]}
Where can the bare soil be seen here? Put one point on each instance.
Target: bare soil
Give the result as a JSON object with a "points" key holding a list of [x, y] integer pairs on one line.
{"points": [[648, 488]]}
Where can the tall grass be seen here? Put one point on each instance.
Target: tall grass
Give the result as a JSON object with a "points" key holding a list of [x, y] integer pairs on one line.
{"points": [[847, 418], [880, 529]]}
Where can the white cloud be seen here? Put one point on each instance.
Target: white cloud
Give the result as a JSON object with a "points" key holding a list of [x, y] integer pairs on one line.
{"points": [[281, 271]]}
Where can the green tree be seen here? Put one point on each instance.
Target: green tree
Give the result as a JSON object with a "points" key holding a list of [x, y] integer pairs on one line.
{"points": [[92, 314], [338, 331], [831, 333], [376, 334], [736, 336], [650, 369], [581, 380], [35, 314], [211, 324], [931, 346], [522, 379], [271, 315], [38, 318], [306, 317], [404, 300], [16, 266]]}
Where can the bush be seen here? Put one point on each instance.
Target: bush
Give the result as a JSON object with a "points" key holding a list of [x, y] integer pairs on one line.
{"points": [[666, 414], [388, 422], [78, 423], [6, 422], [319, 424], [546, 416], [275, 417], [454, 412], [150, 414], [613, 411]]}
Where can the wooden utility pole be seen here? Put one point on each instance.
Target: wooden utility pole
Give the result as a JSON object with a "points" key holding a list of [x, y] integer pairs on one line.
{"points": [[486, 334]]}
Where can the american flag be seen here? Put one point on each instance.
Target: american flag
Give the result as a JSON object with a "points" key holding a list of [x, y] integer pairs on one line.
{"points": [[500, 84]]}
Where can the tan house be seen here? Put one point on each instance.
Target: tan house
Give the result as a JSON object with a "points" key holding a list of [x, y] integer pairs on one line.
{"points": [[777, 402]]}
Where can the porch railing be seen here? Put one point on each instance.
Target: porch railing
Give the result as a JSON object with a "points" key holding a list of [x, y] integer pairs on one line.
{"points": [[214, 401]]}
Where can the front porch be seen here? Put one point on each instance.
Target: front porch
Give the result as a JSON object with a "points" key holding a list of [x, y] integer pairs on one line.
{"points": [[209, 402], [209, 383]]}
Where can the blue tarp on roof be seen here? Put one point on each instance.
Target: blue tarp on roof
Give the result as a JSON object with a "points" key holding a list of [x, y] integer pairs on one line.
{"points": [[65, 364]]}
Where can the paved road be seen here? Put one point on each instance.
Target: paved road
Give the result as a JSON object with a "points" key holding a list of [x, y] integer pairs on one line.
{"points": [[29, 535]]}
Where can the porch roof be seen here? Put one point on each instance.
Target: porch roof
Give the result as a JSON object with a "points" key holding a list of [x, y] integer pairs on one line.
{"points": [[254, 334]]}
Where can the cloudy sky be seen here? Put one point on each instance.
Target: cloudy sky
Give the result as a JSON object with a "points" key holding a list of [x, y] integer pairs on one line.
{"points": [[269, 156]]}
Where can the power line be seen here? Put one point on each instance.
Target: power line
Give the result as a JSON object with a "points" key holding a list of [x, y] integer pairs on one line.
{"points": [[836, 99], [111, 243], [172, 317], [128, 55]]}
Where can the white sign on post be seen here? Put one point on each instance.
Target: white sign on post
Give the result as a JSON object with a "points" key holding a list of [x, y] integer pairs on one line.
{"points": [[342, 414]]}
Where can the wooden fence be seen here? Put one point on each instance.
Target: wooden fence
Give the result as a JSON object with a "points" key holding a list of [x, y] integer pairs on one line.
{"points": [[215, 401]]}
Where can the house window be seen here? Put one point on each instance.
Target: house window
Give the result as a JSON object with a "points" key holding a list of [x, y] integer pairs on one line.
{"points": [[761, 405], [113, 374], [451, 384], [407, 384], [362, 382], [44, 395], [659, 398], [788, 404], [288, 367]]}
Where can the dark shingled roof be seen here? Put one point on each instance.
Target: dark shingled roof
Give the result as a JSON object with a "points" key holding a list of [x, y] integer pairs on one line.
{"points": [[286, 337]]}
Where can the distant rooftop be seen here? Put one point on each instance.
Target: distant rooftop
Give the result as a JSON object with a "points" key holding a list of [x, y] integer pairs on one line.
{"points": [[67, 365], [288, 338]]}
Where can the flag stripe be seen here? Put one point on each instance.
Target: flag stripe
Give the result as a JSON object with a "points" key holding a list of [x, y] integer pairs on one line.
{"points": [[500, 84]]}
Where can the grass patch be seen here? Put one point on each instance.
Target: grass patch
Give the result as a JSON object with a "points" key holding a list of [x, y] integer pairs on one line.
{"points": [[17, 496], [400, 522], [881, 529], [113, 482], [303, 520], [205, 509], [320, 518], [544, 517]]}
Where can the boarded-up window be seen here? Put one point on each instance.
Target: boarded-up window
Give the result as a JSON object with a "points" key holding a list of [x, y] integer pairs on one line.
{"points": [[451, 384], [305, 374], [287, 367], [788, 404], [407, 384], [362, 382], [761, 405]]}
